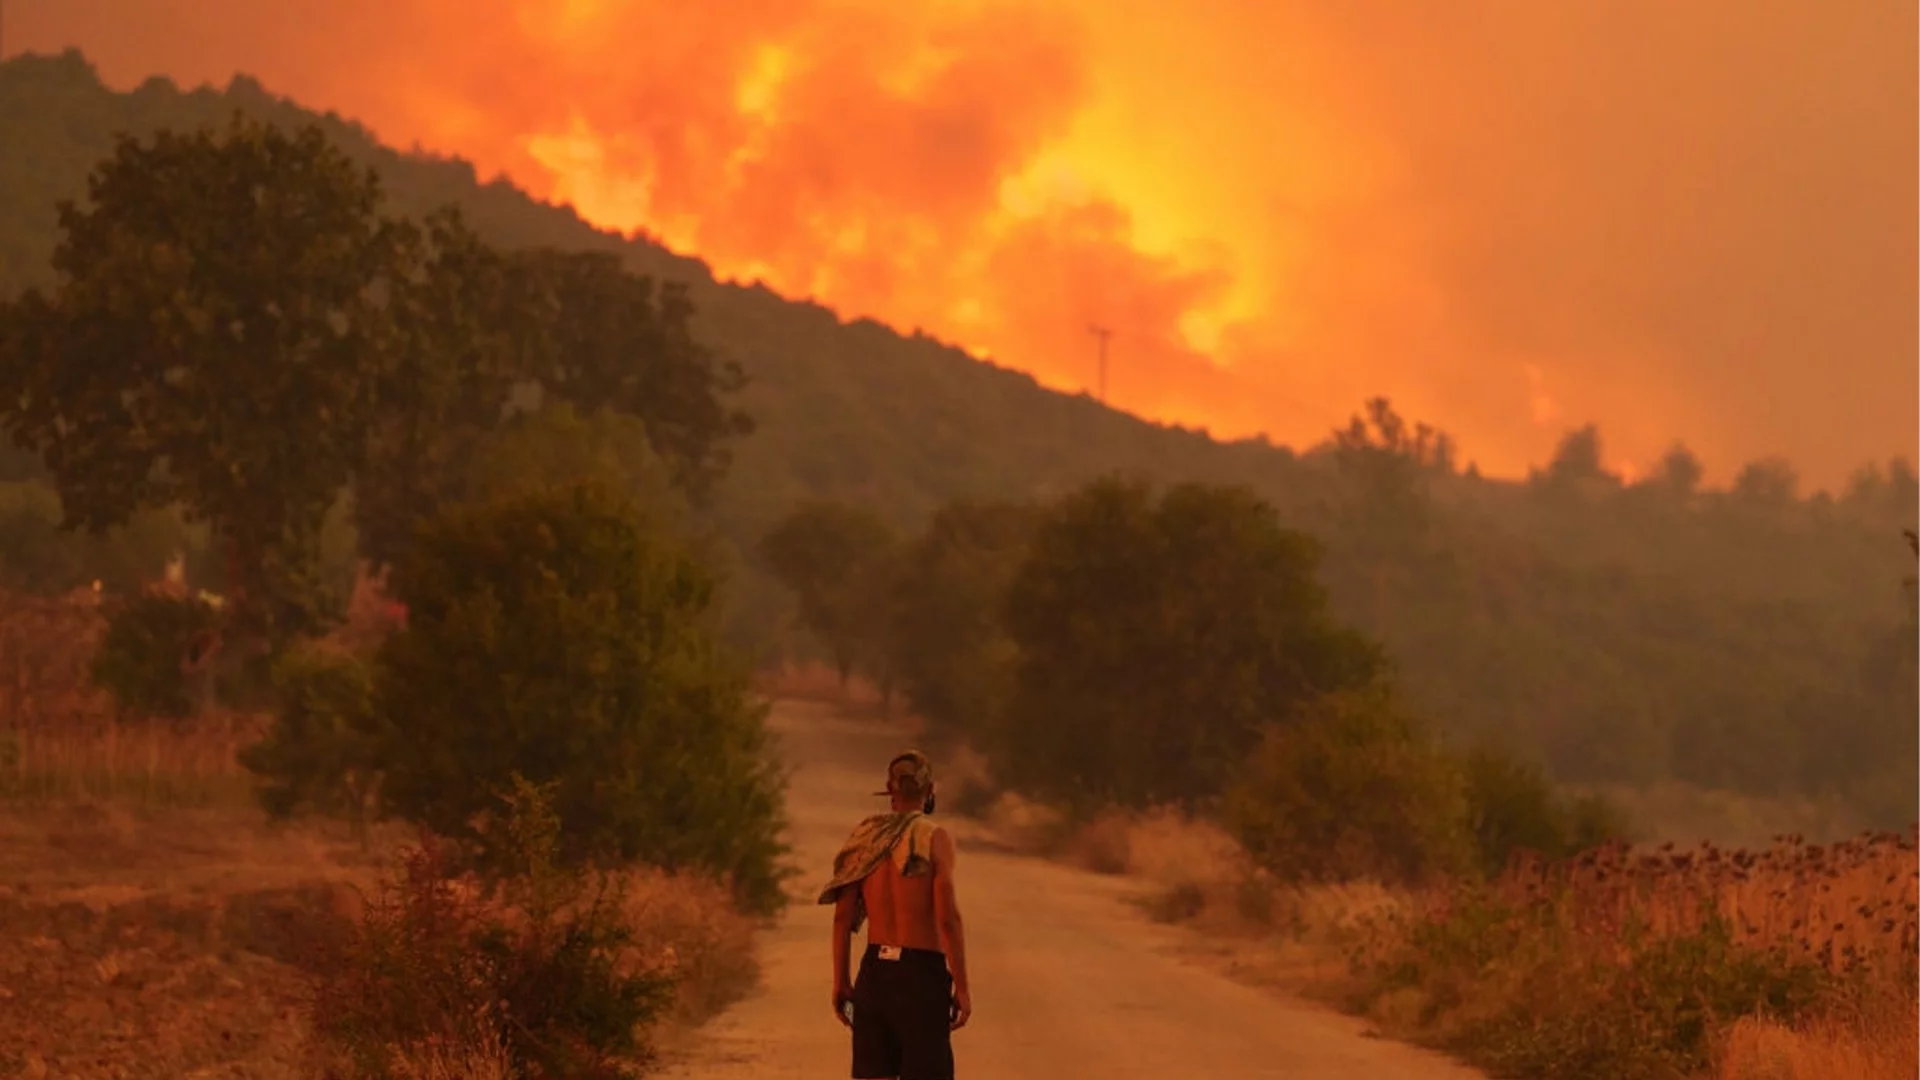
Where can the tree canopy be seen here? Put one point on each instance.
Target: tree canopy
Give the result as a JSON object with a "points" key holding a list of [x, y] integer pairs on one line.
{"points": [[1158, 637], [216, 338], [559, 637]]}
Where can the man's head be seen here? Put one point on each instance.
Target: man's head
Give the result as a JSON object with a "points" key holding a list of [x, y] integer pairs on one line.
{"points": [[910, 782]]}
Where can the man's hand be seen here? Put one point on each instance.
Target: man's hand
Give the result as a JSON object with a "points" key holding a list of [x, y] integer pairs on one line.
{"points": [[843, 1004], [960, 1010]]}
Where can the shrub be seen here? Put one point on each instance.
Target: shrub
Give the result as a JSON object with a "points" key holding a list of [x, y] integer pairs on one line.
{"points": [[154, 645], [557, 636], [1654, 1015], [1631, 965], [1512, 807], [1351, 789], [539, 967], [323, 751]]}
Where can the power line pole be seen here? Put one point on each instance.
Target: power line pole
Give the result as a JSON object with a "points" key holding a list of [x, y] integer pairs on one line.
{"points": [[1103, 334]]}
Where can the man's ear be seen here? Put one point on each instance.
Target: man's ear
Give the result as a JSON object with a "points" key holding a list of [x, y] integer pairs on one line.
{"points": [[928, 805]]}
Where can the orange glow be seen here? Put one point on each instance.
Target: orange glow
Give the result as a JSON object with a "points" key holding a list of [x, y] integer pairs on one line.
{"points": [[1495, 213]]}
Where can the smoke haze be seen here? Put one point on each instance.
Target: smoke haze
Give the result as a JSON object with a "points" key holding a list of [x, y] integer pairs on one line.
{"points": [[1677, 220]]}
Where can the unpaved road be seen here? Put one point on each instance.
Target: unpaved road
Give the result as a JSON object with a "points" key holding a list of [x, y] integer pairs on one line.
{"points": [[1068, 979]]}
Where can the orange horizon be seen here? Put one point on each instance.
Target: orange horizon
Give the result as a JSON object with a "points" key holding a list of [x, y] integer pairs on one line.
{"points": [[1291, 212]]}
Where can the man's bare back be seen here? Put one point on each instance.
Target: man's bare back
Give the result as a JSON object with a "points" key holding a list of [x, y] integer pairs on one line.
{"points": [[900, 909]]}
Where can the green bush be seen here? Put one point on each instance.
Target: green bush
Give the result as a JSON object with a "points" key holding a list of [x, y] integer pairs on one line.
{"points": [[1353, 788], [153, 659], [324, 749], [559, 636], [1512, 807]]}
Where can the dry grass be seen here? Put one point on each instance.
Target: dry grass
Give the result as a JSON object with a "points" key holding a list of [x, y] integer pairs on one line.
{"points": [[1844, 915], [154, 924], [1289, 937], [1877, 1047], [61, 742], [1852, 908], [689, 923], [148, 764], [1650, 962], [160, 943], [157, 942], [484, 1058]]}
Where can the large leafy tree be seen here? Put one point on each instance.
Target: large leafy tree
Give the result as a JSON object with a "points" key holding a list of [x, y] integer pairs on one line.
{"points": [[490, 331], [622, 341], [469, 327], [1158, 637], [218, 336]]}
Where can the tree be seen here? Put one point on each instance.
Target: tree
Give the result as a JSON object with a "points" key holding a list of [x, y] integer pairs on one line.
{"points": [[947, 639], [1158, 639], [838, 560], [37, 556], [489, 332], [1383, 432], [1878, 494], [1678, 472], [559, 637], [1388, 466], [1577, 463], [556, 445], [620, 341], [470, 329], [216, 338], [1769, 483]]}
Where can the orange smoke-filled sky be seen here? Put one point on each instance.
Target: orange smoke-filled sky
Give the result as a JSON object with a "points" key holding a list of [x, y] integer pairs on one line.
{"points": [[1688, 220]]}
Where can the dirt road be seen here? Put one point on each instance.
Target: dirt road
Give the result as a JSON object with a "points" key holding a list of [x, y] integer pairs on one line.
{"points": [[1068, 979]]}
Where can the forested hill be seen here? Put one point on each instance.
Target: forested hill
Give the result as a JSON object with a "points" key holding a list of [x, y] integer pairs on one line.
{"points": [[1753, 638], [850, 410]]}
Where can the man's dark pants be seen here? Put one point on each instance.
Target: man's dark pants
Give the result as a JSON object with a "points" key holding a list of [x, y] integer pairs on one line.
{"points": [[902, 1006]]}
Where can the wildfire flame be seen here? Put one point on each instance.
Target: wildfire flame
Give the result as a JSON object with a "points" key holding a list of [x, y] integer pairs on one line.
{"points": [[1509, 217]]}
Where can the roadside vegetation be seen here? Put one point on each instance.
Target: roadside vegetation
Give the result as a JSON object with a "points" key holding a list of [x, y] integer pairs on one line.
{"points": [[511, 790], [1153, 682]]}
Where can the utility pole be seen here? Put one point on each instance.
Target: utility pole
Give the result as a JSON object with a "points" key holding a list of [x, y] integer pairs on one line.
{"points": [[1103, 334]]}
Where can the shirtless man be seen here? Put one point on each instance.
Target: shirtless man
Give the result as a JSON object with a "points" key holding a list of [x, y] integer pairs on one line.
{"points": [[897, 871]]}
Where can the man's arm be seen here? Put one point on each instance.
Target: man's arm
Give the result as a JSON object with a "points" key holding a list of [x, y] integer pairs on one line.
{"points": [[845, 911], [946, 920]]}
